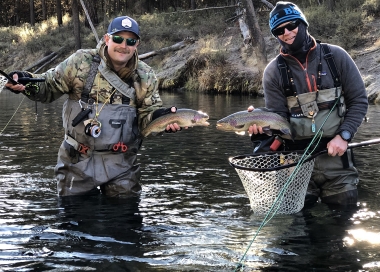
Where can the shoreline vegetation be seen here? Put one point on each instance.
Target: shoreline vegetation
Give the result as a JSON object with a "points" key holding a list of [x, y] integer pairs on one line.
{"points": [[217, 60]]}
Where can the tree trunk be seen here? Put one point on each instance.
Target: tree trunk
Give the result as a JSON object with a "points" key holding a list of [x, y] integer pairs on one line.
{"points": [[17, 13], [165, 50], [31, 7], [89, 5], [257, 38], [118, 6], [331, 5], [76, 24], [59, 12], [105, 15], [44, 11], [193, 4]]}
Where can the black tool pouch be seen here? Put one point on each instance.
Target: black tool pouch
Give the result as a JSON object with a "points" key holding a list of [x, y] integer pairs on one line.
{"points": [[262, 142], [73, 154]]}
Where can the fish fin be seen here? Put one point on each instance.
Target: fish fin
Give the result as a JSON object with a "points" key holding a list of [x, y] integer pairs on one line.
{"points": [[267, 131], [239, 126], [240, 132], [288, 133], [263, 109], [157, 133]]}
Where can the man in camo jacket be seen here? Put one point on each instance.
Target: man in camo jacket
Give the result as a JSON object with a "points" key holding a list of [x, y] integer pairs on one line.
{"points": [[111, 96]]}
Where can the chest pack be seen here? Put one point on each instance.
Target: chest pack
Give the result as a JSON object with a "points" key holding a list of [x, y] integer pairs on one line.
{"points": [[309, 111], [287, 77]]}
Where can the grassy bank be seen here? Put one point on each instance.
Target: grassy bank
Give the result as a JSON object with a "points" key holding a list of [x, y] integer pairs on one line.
{"points": [[210, 66]]}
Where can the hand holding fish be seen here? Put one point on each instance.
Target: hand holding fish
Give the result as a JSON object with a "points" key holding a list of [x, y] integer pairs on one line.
{"points": [[254, 129], [180, 118], [257, 121], [173, 127]]}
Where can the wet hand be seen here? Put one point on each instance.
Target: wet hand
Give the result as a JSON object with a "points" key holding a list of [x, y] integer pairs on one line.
{"points": [[254, 129], [173, 127], [337, 146]]}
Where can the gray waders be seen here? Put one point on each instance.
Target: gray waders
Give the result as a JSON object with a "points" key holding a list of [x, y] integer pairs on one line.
{"points": [[334, 179], [86, 163], [101, 142]]}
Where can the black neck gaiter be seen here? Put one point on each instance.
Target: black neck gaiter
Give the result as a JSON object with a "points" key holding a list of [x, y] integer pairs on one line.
{"points": [[301, 45]]}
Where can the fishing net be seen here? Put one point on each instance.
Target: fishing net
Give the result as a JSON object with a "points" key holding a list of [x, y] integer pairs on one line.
{"points": [[275, 182]]}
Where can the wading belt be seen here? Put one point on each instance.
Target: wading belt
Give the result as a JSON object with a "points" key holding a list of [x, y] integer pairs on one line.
{"points": [[287, 77]]}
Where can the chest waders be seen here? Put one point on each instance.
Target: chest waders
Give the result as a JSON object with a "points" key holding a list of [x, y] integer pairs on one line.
{"points": [[308, 111], [334, 179], [108, 158]]}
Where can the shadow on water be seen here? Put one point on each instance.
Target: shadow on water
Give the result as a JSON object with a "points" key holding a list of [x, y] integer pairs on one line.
{"points": [[193, 214]]}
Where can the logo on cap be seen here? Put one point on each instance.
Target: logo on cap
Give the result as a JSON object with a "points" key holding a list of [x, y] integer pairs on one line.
{"points": [[126, 23]]}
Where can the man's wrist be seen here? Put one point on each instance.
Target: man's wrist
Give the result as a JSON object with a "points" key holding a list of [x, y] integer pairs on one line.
{"points": [[345, 135]]}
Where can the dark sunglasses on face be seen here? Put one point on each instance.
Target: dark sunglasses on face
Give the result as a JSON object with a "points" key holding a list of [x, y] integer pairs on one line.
{"points": [[281, 30], [119, 40]]}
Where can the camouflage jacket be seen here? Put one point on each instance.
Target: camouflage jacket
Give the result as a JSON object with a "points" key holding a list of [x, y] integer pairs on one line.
{"points": [[70, 75]]}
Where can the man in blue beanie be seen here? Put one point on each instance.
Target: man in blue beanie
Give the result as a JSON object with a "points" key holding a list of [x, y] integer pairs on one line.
{"points": [[317, 87]]}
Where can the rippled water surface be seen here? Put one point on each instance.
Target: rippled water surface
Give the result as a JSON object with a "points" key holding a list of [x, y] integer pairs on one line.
{"points": [[193, 214]]}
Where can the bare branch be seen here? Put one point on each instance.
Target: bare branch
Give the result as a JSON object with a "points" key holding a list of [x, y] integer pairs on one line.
{"points": [[165, 50], [268, 4], [233, 6]]}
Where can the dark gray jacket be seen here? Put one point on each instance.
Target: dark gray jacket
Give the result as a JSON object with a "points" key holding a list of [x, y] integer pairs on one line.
{"points": [[305, 78]]}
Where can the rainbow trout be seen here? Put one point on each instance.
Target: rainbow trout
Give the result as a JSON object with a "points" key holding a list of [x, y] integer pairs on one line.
{"points": [[242, 120], [183, 117]]}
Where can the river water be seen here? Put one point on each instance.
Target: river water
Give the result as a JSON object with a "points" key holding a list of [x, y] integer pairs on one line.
{"points": [[193, 214]]}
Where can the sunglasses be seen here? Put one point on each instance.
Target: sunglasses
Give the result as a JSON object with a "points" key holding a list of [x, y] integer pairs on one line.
{"points": [[119, 40], [281, 30]]}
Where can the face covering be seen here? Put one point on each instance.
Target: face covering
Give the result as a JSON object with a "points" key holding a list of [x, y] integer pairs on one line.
{"points": [[301, 45]]}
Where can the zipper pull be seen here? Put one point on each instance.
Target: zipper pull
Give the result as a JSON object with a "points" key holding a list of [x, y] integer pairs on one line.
{"points": [[313, 124]]}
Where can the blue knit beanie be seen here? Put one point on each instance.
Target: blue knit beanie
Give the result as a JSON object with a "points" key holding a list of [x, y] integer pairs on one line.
{"points": [[285, 12]]}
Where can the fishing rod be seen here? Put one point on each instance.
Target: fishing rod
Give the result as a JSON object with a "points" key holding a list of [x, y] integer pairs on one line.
{"points": [[232, 160], [5, 78], [21, 80]]}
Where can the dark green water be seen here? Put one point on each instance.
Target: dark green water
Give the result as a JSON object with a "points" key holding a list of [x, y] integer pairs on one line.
{"points": [[193, 214]]}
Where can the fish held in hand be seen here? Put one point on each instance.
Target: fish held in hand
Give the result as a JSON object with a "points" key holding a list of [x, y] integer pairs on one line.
{"points": [[269, 121], [183, 117]]}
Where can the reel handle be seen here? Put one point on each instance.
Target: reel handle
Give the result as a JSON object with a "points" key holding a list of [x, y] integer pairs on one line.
{"points": [[25, 80]]}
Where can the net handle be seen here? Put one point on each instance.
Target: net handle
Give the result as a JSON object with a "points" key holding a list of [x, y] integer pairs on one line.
{"points": [[308, 158]]}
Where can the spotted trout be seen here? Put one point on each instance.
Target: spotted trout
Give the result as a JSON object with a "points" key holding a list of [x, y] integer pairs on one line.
{"points": [[269, 121], [183, 117]]}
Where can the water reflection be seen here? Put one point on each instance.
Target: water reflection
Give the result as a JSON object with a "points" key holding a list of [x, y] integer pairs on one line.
{"points": [[193, 214]]}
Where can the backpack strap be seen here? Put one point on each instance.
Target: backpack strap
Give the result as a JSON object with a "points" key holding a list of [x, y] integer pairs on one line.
{"points": [[287, 77], [90, 79], [329, 57]]}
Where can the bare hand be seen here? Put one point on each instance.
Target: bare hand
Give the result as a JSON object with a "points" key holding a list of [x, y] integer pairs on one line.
{"points": [[254, 129], [337, 146], [173, 127]]}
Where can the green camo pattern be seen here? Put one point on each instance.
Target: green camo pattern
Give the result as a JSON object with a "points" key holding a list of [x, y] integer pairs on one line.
{"points": [[70, 75]]}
